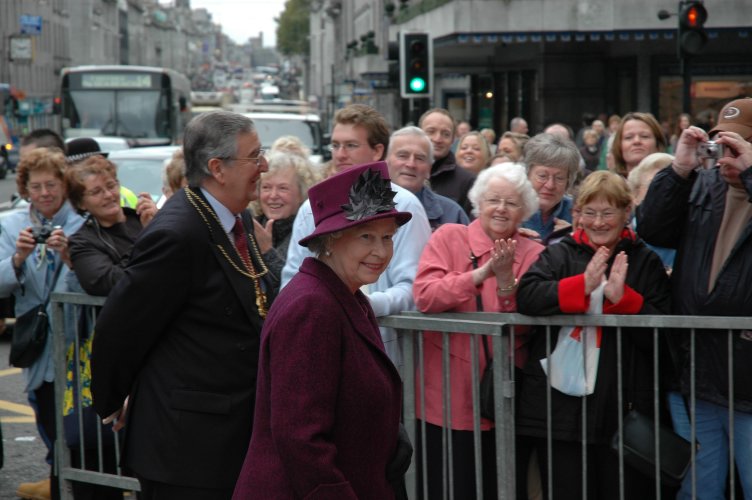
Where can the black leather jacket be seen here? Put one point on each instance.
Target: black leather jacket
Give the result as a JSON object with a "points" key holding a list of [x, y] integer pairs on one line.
{"points": [[686, 214]]}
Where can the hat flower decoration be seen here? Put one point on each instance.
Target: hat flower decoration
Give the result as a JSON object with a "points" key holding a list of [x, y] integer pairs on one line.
{"points": [[371, 194]]}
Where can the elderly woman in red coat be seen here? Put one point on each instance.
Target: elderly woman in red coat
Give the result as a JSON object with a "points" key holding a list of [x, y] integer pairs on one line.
{"points": [[329, 399], [462, 268]]}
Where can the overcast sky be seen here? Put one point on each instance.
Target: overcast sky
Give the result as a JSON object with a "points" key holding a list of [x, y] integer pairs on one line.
{"points": [[242, 19]]}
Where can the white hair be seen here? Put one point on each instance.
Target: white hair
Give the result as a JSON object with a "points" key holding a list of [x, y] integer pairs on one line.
{"points": [[515, 174]]}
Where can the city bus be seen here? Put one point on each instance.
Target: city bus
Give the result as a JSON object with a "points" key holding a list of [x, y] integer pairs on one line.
{"points": [[146, 105]]}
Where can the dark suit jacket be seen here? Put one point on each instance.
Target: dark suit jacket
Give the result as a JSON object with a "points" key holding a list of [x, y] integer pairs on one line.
{"points": [[180, 334], [329, 398]]}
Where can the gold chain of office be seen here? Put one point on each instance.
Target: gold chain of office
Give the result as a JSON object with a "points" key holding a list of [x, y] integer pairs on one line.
{"points": [[196, 200]]}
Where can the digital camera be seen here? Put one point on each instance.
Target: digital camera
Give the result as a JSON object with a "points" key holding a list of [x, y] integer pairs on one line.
{"points": [[42, 233], [709, 150]]}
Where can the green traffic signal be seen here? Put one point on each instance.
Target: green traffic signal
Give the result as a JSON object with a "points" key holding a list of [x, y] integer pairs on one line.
{"points": [[417, 84]]}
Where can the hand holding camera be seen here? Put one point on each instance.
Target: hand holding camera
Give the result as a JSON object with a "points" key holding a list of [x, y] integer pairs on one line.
{"points": [[42, 233], [737, 152], [685, 157]]}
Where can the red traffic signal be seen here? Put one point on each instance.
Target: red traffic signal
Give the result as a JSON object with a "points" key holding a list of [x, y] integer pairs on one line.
{"points": [[692, 36]]}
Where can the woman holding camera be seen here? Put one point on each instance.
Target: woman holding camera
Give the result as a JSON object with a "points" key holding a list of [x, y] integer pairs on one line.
{"points": [[34, 261]]}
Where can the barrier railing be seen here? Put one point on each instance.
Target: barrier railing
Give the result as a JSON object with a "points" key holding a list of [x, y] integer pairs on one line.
{"points": [[96, 456], [500, 328]]}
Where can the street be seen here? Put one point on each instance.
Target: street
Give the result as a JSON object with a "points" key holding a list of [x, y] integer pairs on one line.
{"points": [[7, 188], [24, 450]]}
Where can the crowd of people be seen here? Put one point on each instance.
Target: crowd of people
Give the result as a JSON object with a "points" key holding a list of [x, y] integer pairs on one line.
{"points": [[239, 346]]}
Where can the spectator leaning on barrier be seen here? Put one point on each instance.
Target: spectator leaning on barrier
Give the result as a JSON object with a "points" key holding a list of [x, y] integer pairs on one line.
{"points": [[561, 282], [360, 135], [175, 354], [410, 157], [101, 249], [28, 267], [706, 215], [449, 280]]}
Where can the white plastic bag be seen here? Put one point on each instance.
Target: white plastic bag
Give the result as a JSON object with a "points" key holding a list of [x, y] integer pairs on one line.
{"points": [[574, 365]]}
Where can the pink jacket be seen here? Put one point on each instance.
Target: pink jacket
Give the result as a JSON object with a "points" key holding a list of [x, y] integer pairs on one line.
{"points": [[444, 283]]}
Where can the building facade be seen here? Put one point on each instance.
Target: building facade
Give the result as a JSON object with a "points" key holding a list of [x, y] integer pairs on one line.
{"points": [[38, 38], [545, 60]]}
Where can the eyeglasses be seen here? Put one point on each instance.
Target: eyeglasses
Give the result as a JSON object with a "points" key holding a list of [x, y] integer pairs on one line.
{"points": [[496, 202], [543, 178], [110, 187], [47, 186], [256, 159], [348, 146], [606, 215]]}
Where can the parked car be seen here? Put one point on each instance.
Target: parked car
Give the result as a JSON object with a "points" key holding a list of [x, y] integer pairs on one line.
{"points": [[305, 126], [140, 169]]}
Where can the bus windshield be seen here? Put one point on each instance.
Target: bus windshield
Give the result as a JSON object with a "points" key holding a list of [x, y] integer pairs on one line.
{"points": [[118, 113]]}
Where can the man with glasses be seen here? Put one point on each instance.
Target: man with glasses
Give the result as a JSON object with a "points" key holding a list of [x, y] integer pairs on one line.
{"points": [[552, 165], [361, 135], [176, 351]]}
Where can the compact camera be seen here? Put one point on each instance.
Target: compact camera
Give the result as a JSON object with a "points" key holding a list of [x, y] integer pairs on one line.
{"points": [[709, 150], [42, 233]]}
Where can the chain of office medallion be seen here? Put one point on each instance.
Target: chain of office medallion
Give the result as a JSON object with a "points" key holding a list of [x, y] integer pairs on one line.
{"points": [[192, 199]]}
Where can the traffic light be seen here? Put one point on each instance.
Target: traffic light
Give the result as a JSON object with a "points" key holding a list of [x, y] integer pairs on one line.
{"points": [[416, 65], [692, 37]]}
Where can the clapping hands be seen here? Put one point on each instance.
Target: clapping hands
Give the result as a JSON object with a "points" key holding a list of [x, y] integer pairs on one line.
{"points": [[595, 274]]}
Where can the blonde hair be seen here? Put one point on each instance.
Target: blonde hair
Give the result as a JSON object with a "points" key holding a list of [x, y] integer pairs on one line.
{"points": [[604, 185]]}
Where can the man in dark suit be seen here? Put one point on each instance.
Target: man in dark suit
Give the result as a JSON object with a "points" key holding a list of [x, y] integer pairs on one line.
{"points": [[179, 334]]}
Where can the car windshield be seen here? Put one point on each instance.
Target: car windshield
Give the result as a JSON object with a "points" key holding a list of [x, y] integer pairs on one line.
{"points": [[269, 130], [141, 175]]}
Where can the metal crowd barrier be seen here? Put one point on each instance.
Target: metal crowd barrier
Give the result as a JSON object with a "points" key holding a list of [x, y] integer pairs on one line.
{"points": [[63, 454], [499, 327]]}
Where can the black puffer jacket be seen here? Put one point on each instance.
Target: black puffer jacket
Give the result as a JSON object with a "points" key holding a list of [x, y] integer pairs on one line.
{"points": [[686, 214], [555, 285]]}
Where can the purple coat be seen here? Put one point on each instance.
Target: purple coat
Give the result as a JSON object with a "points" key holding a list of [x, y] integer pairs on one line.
{"points": [[328, 397]]}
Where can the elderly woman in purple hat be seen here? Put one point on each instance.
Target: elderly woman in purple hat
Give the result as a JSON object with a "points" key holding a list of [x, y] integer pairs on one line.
{"points": [[328, 401]]}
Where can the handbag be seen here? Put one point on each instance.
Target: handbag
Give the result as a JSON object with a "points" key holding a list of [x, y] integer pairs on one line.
{"points": [[639, 441], [639, 448], [30, 332], [486, 380], [572, 367]]}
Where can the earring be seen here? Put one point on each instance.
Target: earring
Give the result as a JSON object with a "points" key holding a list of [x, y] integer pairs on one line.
{"points": [[327, 253]]}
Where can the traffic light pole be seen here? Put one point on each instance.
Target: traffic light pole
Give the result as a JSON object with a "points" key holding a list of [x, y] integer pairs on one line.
{"points": [[686, 84]]}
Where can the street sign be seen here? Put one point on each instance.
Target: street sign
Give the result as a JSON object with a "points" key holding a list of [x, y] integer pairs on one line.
{"points": [[21, 48], [31, 25]]}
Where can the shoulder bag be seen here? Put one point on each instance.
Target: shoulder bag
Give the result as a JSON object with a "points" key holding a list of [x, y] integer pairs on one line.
{"points": [[30, 332]]}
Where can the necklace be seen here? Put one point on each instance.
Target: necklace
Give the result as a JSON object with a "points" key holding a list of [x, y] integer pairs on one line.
{"points": [[250, 272]]}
